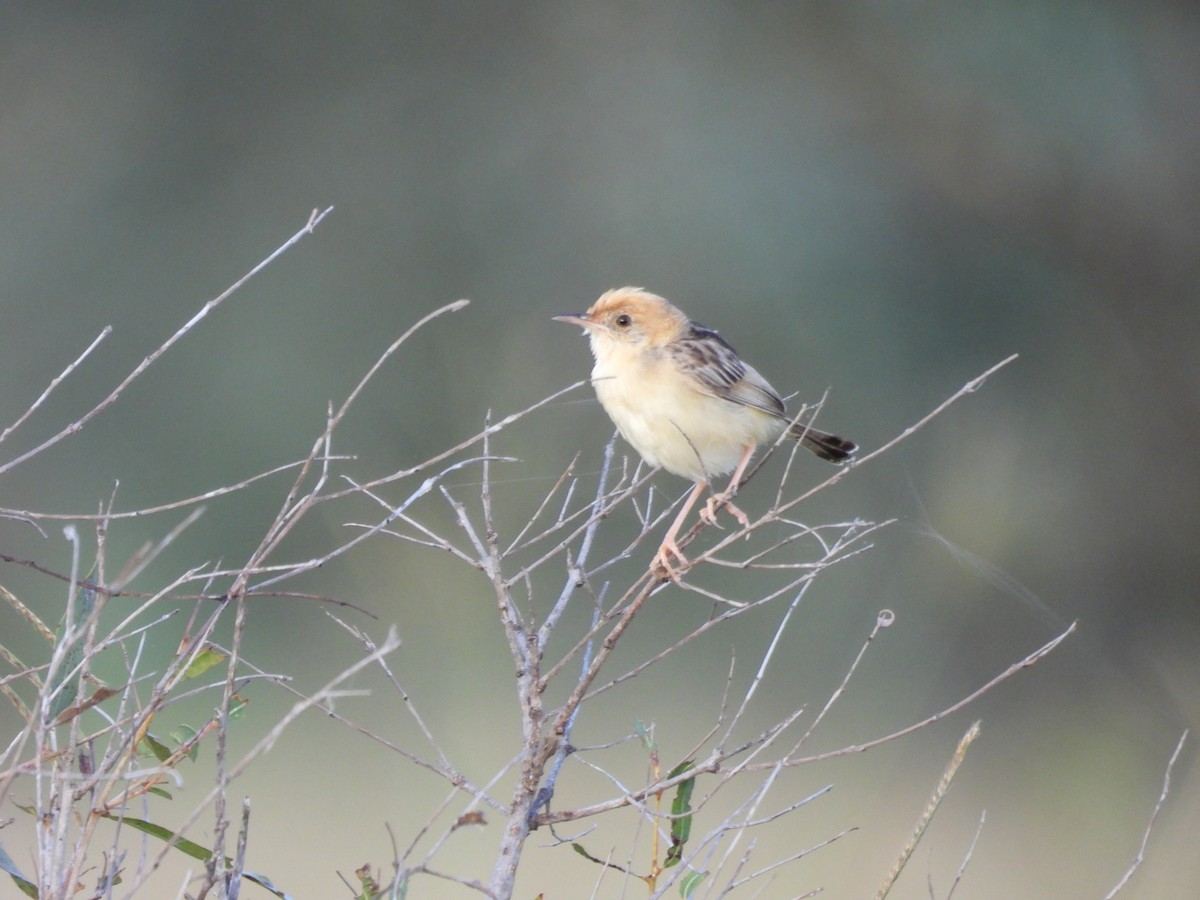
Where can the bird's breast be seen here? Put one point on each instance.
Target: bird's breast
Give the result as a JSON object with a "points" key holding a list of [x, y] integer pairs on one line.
{"points": [[671, 422]]}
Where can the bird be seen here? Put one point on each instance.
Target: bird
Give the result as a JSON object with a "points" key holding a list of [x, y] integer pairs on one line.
{"points": [[686, 401]]}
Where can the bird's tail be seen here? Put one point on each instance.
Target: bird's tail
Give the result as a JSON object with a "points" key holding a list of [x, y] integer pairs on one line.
{"points": [[827, 446]]}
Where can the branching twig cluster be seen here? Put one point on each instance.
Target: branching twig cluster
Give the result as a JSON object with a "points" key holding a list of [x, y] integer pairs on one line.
{"points": [[94, 770]]}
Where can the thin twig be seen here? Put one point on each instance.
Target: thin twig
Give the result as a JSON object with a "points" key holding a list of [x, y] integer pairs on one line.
{"points": [[884, 619], [1162, 798], [104, 332], [141, 367], [1028, 661], [966, 860]]}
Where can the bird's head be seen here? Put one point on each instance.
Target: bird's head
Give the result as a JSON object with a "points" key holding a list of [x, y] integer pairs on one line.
{"points": [[632, 317]]}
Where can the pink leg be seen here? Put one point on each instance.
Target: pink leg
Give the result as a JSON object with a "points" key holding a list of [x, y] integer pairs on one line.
{"points": [[669, 548], [709, 513]]}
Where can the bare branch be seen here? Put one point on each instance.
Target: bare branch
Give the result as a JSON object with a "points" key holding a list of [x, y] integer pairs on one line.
{"points": [[1162, 798], [208, 307], [1028, 661], [104, 332], [966, 860]]}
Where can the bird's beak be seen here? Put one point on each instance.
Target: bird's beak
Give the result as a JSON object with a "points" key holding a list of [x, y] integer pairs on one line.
{"points": [[581, 319]]}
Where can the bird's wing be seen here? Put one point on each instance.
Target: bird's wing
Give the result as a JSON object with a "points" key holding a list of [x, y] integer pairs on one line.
{"points": [[719, 371]]}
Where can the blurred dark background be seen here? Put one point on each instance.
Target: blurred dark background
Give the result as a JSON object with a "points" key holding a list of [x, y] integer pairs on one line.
{"points": [[880, 200]]}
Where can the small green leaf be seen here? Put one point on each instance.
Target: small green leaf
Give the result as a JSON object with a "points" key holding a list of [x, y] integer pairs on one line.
{"points": [[205, 660], [156, 748], [237, 708], [639, 728], [185, 736], [681, 768], [264, 882], [689, 882], [65, 691], [681, 815], [24, 885]]}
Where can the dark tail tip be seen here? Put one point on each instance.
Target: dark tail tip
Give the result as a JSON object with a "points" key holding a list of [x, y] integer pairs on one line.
{"points": [[827, 446]]}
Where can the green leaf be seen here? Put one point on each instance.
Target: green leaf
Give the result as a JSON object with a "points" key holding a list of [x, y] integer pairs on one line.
{"points": [[681, 768], [681, 815], [639, 728], [205, 660], [24, 885], [152, 745], [578, 848], [192, 849], [237, 708], [66, 692], [182, 844], [184, 735], [689, 882], [264, 882]]}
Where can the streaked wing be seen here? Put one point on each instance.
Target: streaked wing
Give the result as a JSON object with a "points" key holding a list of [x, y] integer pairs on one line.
{"points": [[721, 372]]}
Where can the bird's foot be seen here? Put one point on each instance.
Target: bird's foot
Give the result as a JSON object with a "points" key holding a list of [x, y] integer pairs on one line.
{"points": [[662, 560], [709, 512]]}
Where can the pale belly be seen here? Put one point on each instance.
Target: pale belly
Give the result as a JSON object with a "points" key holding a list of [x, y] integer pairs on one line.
{"points": [[686, 432]]}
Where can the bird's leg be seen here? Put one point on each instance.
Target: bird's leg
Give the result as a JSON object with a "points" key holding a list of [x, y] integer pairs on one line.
{"points": [[669, 548], [709, 513]]}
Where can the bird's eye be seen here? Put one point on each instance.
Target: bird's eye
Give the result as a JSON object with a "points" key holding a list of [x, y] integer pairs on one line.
{"points": [[623, 321]]}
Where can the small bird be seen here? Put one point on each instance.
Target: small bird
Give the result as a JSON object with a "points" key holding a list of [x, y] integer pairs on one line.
{"points": [[680, 394]]}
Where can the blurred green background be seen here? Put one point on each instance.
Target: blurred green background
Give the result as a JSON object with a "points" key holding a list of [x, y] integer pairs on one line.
{"points": [[879, 199]]}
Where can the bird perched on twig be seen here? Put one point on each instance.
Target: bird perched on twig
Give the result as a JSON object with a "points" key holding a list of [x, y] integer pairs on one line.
{"points": [[680, 394]]}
